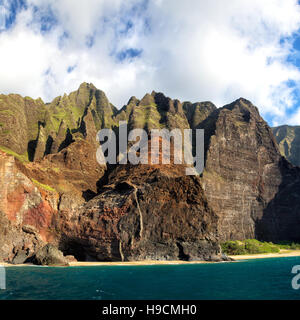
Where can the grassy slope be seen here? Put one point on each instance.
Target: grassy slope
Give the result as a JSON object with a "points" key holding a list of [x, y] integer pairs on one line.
{"points": [[253, 246]]}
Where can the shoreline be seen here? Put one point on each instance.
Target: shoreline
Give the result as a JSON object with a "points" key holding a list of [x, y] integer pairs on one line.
{"points": [[281, 254], [109, 263]]}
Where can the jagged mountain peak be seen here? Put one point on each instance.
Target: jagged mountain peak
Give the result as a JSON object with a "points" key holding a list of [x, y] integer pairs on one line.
{"points": [[133, 100], [87, 85], [242, 104]]}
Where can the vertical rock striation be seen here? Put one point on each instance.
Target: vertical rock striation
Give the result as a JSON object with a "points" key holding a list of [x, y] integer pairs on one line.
{"points": [[244, 173]]}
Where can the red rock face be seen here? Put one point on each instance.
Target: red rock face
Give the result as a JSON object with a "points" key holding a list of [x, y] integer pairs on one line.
{"points": [[23, 207], [33, 207], [14, 201], [41, 217]]}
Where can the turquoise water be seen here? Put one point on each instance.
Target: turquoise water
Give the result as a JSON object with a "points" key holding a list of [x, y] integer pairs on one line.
{"points": [[252, 279]]}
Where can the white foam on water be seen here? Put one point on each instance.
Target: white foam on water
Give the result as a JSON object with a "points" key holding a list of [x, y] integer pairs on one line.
{"points": [[2, 278]]}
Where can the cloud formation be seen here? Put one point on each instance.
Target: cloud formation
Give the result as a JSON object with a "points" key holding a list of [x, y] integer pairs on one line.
{"points": [[192, 50]]}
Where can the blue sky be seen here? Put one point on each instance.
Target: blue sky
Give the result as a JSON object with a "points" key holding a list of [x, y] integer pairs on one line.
{"points": [[191, 50]]}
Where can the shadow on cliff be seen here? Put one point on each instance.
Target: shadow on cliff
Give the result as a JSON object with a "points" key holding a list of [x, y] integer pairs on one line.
{"points": [[31, 147], [209, 126], [281, 217], [295, 148], [89, 194], [210, 123], [73, 247]]}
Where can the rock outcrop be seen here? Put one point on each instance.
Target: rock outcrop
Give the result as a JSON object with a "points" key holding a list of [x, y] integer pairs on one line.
{"points": [[49, 255], [25, 213], [143, 214]]}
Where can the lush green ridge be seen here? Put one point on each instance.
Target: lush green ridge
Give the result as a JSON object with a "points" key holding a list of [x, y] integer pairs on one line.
{"points": [[288, 139], [252, 246], [31, 129]]}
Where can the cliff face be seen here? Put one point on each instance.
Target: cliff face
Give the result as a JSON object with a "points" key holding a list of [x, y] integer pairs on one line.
{"points": [[155, 216], [25, 213], [242, 171], [33, 129], [54, 191]]}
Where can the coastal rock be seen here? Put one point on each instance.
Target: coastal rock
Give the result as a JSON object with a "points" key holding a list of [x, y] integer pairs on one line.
{"points": [[25, 213], [49, 255], [20, 257], [150, 216], [71, 259]]}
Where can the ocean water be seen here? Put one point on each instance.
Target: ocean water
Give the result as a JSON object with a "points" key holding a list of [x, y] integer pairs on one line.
{"points": [[250, 279]]}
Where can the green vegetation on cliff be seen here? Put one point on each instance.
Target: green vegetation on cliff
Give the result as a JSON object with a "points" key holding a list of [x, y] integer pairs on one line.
{"points": [[253, 246], [43, 186], [31, 129], [288, 139], [22, 158]]}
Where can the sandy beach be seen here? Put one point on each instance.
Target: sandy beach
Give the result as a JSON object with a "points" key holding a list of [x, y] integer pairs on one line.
{"points": [[119, 263], [281, 254], [134, 263]]}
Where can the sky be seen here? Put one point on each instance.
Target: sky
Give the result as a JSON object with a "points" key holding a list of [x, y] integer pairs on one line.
{"points": [[192, 50]]}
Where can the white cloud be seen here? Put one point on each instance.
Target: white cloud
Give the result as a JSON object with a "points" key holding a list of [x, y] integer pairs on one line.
{"points": [[221, 52], [192, 50], [4, 12]]}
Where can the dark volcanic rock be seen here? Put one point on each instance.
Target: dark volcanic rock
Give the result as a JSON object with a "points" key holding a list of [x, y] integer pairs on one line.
{"points": [[15, 245], [20, 257], [154, 216], [281, 217], [49, 255], [243, 173]]}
